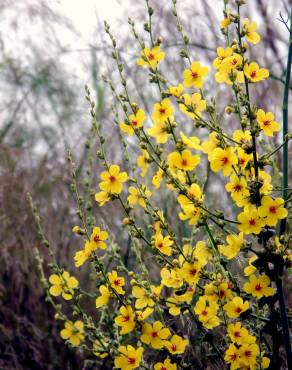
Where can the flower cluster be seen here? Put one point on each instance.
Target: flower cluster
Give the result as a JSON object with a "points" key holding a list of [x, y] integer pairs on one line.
{"points": [[210, 288]]}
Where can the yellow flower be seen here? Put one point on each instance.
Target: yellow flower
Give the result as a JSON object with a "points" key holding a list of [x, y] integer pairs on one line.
{"points": [[97, 237], [223, 160], [102, 197], [267, 123], [272, 210], [259, 287], [192, 142], [183, 161], [190, 212], [126, 319], [137, 195], [142, 162], [234, 243], [134, 122], [239, 334], [82, 256], [142, 315], [176, 345], [171, 278], [238, 189], [232, 62], [232, 357], [166, 365], [249, 31], [157, 178], [190, 272], [113, 179], [242, 137], [160, 131], [176, 90], [116, 282], [254, 73], [250, 221], [142, 297], [250, 269], [235, 307], [150, 57], [194, 77], [248, 354], [222, 54], [193, 105], [129, 358], [63, 284], [163, 244], [174, 302], [155, 335], [73, 332], [103, 299], [225, 23], [162, 111], [209, 145], [243, 158], [206, 309], [230, 70]]}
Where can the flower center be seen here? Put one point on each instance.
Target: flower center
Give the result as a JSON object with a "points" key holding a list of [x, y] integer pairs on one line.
{"points": [[173, 347], [194, 74], [266, 123], [237, 187], [193, 271], [253, 74], [205, 313], [154, 334], [117, 282], [96, 239], [224, 160], [134, 122], [184, 162], [273, 209], [237, 334], [162, 111], [252, 222], [112, 178], [151, 56], [131, 360], [238, 309], [258, 287], [248, 353]]}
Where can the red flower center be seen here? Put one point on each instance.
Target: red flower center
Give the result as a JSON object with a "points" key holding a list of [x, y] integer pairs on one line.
{"points": [[266, 123], [253, 74], [126, 318], [112, 178], [154, 334], [237, 334], [151, 56], [131, 360], [162, 111], [173, 347], [193, 271], [205, 313], [134, 122], [224, 160], [194, 74], [238, 309], [248, 353], [273, 209], [117, 282], [237, 187], [184, 162], [96, 239], [252, 222]]}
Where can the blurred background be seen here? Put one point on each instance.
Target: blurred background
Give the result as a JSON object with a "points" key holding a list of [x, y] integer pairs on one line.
{"points": [[48, 51]]}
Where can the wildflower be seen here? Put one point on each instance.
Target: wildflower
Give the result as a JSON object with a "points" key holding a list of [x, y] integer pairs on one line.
{"points": [[134, 122], [162, 111], [232, 357], [192, 142], [150, 57], [113, 179], [235, 307], [190, 212], [193, 105], [249, 31], [234, 243], [103, 299], [184, 161], [160, 131], [166, 365], [63, 284], [142, 162], [190, 272], [176, 345], [116, 282], [248, 354], [225, 23], [194, 77], [174, 302], [254, 73], [209, 145], [250, 221], [238, 189], [242, 137], [137, 196], [126, 319], [142, 315], [232, 62], [250, 269], [267, 123], [223, 160], [102, 197], [222, 54], [129, 358], [97, 238], [206, 309], [157, 178], [73, 332], [239, 334], [163, 244], [243, 158], [154, 335], [176, 90], [272, 210], [259, 287], [142, 297], [171, 278], [82, 256]]}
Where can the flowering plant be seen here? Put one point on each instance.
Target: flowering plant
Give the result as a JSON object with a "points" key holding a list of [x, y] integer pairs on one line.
{"points": [[206, 288]]}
